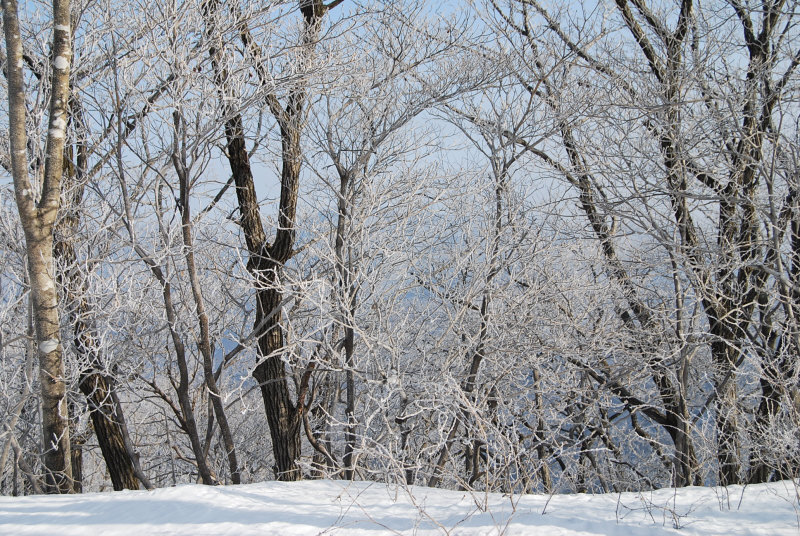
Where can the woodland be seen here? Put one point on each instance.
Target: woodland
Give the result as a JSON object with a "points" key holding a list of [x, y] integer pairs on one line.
{"points": [[497, 245]]}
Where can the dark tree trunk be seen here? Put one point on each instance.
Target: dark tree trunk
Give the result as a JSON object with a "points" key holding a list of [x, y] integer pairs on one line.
{"points": [[106, 423], [76, 451], [282, 416], [267, 260], [94, 382]]}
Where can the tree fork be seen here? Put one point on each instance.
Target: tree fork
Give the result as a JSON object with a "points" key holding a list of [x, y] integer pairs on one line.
{"points": [[38, 219], [267, 260]]}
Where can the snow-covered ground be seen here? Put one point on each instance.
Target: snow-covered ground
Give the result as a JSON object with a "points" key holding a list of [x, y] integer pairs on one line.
{"points": [[361, 508]]}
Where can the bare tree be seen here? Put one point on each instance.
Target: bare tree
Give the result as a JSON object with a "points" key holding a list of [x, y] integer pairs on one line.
{"points": [[359, 126], [182, 168], [18, 351], [708, 141], [38, 202], [268, 258]]}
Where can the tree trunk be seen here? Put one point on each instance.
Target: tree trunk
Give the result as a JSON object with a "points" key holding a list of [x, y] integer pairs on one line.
{"points": [[282, 416], [38, 217], [267, 260], [94, 383], [725, 418], [107, 427]]}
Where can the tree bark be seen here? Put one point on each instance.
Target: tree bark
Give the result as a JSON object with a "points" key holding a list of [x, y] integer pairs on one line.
{"points": [[94, 383], [267, 260], [106, 423], [38, 218]]}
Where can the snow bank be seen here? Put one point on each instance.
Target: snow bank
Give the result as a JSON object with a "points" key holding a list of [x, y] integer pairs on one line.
{"points": [[362, 508]]}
